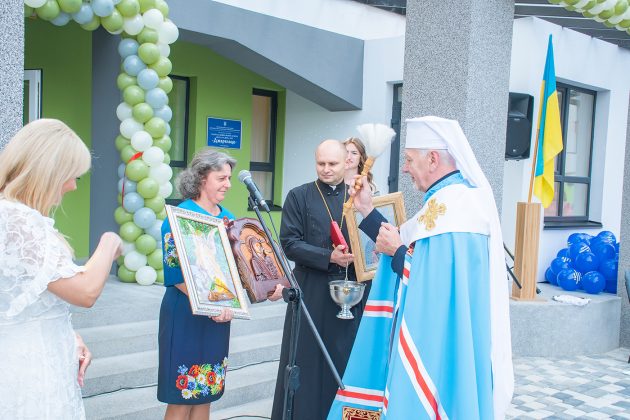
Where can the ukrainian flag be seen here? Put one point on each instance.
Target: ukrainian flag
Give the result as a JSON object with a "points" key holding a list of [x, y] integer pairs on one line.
{"points": [[549, 133]]}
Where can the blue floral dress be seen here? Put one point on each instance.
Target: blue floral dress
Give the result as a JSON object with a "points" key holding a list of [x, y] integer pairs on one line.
{"points": [[193, 349]]}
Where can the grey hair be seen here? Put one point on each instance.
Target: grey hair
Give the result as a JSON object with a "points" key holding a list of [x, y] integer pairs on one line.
{"points": [[205, 161], [445, 156]]}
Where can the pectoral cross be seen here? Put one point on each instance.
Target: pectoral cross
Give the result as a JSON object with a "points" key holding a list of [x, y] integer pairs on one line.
{"points": [[434, 210]]}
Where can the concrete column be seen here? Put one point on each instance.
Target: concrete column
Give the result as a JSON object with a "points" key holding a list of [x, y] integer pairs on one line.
{"points": [[457, 65], [624, 249], [11, 68], [105, 99]]}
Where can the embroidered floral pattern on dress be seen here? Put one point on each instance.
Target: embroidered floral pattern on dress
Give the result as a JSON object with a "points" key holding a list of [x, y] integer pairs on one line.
{"points": [[170, 253], [201, 380]]}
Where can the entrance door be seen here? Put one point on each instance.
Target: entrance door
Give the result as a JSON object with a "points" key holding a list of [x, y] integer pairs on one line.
{"points": [[396, 124], [32, 96]]}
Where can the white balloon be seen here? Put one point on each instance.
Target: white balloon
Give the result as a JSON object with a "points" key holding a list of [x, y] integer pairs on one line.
{"points": [[135, 260], [165, 49], [35, 3], [162, 173], [146, 276], [153, 19], [153, 156], [123, 111], [129, 127], [133, 25], [141, 140], [127, 247], [166, 190], [168, 33]]}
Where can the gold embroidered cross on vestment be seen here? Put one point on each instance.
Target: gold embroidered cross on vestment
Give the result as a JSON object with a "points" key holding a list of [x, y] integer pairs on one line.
{"points": [[434, 210]]}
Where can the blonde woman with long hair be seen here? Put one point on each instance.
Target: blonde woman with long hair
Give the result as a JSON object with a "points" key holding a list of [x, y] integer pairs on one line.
{"points": [[42, 360]]}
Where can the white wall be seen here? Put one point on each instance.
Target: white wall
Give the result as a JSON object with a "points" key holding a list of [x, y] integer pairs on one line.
{"points": [[340, 16], [584, 62], [307, 124]]}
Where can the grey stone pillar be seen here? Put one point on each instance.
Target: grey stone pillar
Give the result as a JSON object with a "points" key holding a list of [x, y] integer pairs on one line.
{"points": [[105, 99], [624, 250], [457, 65], [11, 68]]}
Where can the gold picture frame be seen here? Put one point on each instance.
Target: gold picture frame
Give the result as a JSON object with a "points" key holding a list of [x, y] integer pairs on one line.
{"points": [[392, 207], [207, 263]]}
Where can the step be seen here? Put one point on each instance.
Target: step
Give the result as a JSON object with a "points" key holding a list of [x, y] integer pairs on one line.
{"points": [[244, 386], [249, 411], [135, 369]]}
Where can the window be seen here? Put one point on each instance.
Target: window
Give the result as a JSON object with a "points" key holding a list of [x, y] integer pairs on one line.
{"points": [[263, 141], [573, 165], [32, 96], [178, 101]]}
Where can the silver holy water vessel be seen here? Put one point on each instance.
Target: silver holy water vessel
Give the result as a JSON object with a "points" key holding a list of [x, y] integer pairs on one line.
{"points": [[346, 294]]}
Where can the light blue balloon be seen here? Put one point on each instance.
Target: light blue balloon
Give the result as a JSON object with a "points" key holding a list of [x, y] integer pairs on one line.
{"points": [[121, 170], [116, 1], [61, 19], [165, 113], [102, 8], [148, 79], [168, 129], [133, 202], [84, 15], [144, 218], [133, 65], [156, 97], [130, 186], [155, 230], [128, 47]]}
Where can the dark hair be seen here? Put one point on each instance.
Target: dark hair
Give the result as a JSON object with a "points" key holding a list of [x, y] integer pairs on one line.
{"points": [[205, 161]]}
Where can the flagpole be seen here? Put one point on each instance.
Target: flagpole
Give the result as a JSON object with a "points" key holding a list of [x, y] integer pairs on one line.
{"points": [[531, 178]]}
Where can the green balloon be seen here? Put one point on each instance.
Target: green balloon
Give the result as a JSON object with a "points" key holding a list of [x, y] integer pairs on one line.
{"points": [[122, 216], [160, 277], [137, 170], [124, 80], [148, 35], [120, 260], [167, 159], [125, 275], [70, 6], [119, 199], [165, 143], [93, 24], [145, 244], [127, 153], [129, 231], [28, 11], [128, 8], [121, 142], [155, 203], [133, 95], [162, 66], [156, 127], [162, 7], [166, 84], [625, 23], [113, 22], [148, 187], [149, 53], [154, 259], [146, 5], [608, 24], [161, 215], [621, 7], [142, 112], [49, 10]]}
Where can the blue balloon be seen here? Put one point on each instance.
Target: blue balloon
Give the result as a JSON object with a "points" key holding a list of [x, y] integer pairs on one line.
{"points": [[617, 247], [569, 279], [84, 15], [578, 248], [165, 113], [559, 264], [133, 202], [611, 286], [168, 129], [127, 47], [102, 8], [585, 262], [607, 236], [564, 252], [593, 282], [121, 170], [550, 276], [609, 269], [144, 218], [155, 230], [148, 78], [156, 97], [578, 237], [61, 19], [603, 251], [133, 65], [130, 186]]}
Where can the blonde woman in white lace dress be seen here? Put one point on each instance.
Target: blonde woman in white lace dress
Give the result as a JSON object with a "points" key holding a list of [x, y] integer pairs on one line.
{"points": [[42, 360]]}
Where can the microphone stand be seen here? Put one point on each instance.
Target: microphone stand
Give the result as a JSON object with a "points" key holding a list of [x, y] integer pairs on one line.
{"points": [[293, 296]]}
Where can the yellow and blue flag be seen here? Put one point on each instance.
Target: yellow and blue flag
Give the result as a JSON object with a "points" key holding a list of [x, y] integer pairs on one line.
{"points": [[549, 133]]}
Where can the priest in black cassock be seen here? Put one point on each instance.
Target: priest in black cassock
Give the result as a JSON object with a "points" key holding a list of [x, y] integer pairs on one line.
{"points": [[305, 237]]}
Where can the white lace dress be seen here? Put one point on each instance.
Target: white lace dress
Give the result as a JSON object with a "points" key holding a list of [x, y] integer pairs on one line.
{"points": [[38, 357]]}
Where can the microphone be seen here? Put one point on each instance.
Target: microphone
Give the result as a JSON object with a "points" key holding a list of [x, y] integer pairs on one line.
{"points": [[246, 178]]}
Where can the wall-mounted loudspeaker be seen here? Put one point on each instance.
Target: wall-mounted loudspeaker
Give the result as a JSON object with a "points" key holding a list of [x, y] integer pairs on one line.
{"points": [[519, 126]]}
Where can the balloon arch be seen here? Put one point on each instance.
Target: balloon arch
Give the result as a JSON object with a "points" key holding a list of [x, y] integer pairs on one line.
{"points": [[144, 117]]}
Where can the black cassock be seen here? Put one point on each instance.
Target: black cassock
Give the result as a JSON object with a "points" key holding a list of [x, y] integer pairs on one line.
{"points": [[305, 238]]}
